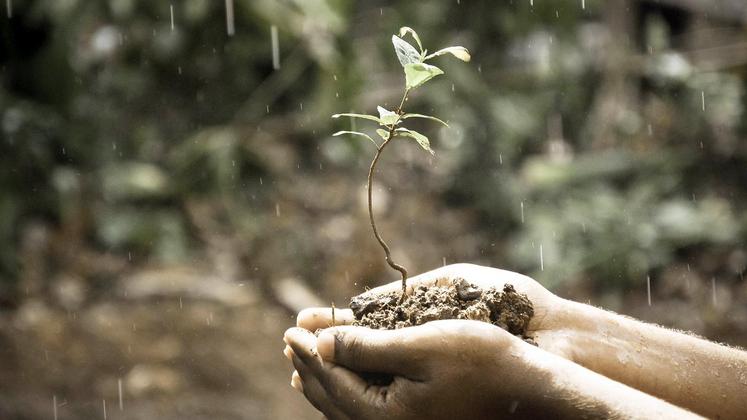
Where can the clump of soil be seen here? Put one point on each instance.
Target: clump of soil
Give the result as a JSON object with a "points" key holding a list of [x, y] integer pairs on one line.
{"points": [[460, 299]]}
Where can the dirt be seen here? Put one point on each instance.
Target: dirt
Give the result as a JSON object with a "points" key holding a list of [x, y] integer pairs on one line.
{"points": [[460, 299]]}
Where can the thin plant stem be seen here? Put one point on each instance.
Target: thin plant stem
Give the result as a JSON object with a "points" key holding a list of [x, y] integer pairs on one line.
{"points": [[402, 270]]}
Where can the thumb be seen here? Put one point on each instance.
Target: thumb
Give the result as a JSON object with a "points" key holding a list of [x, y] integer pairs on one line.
{"points": [[362, 349]]}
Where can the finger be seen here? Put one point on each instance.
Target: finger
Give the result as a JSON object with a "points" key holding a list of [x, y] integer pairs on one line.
{"points": [[312, 389], [360, 349], [336, 386], [296, 381], [288, 352], [313, 319], [303, 344]]}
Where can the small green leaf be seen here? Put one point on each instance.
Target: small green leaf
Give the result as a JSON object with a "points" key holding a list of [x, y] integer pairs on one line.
{"points": [[387, 117], [458, 52], [364, 116], [421, 139], [356, 133], [405, 30], [406, 116], [406, 53], [382, 133], [418, 73]]}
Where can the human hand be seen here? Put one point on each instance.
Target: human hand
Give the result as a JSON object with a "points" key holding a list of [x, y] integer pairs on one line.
{"points": [[547, 327], [442, 369]]}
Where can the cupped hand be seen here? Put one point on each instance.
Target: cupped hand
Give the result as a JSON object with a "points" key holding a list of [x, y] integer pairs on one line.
{"points": [[439, 370], [547, 327]]}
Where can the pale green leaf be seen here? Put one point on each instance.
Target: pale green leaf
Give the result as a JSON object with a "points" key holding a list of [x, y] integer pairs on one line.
{"points": [[382, 133], [421, 139], [458, 52], [418, 73], [406, 116], [405, 30], [356, 133], [406, 53], [364, 116], [387, 117]]}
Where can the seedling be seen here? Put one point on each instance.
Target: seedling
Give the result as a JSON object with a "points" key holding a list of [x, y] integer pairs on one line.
{"points": [[417, 72]]}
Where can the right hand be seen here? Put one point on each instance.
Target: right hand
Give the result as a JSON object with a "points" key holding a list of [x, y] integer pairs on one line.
{"points": [[545, 327]]}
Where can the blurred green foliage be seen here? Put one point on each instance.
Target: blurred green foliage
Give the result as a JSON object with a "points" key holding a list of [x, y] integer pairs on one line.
{"points": [[567, 132]]}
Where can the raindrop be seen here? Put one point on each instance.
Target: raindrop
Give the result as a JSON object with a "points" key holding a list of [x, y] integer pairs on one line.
{"points": [[514, 405], [713, 287], [522, 212], [129, 255], [300, 105], [103, 402], [171, 10], [531, 3], [500, 158], [381, 11], [260, 181], [277, 209], [479, 68], [180, 303], [452, 87], [230, 28], [648, 289], [444, 261], [542, 260], [650, 130], [583, 4], [119, 392], [334, 76], [54, 397], [275, 47], [267, 107], [179, 70], [702, 99], [9, 6]]}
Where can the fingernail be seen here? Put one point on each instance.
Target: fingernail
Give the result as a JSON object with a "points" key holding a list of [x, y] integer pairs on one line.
{"points": [[325, 345], [288, 352]]}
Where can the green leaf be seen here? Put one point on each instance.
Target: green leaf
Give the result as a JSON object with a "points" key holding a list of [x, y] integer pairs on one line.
{"points": [[405, 30], [458, 52], [406, 53], [406, 116], [364, 116], [382, 133], [387, 117], [421, 139], [356, 133], [418, 73]]}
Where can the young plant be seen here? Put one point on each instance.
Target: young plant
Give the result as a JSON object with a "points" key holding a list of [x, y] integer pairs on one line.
{"points": [[417, 72]]}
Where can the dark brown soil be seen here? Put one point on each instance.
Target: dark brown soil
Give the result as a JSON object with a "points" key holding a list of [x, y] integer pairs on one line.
{"points": [[461, 299]]}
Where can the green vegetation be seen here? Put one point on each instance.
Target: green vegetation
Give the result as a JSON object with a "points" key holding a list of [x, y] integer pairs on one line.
{"points": [[417, 72]]}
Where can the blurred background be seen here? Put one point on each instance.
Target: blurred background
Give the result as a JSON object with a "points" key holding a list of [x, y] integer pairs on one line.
{"points": [[171, 195]]}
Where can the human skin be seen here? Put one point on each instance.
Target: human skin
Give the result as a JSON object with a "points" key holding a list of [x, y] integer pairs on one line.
{"points": [[684, 370], [455, 369]]}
